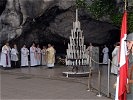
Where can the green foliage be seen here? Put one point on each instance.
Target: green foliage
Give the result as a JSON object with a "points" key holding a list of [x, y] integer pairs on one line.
{"points": [[130, 22], [80, 3], [116, 19], [100, 8]]}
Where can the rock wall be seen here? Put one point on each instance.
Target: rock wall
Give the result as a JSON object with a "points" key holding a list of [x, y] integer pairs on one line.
{"points": [[49, 21]]}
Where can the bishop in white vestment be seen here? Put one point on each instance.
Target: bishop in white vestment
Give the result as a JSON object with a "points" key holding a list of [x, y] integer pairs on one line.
{"points": [[50, 56]]}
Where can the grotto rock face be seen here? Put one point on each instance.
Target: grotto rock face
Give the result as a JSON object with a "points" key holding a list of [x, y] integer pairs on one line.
{"points": [[93, 31], [15, 15], [48, 21]]}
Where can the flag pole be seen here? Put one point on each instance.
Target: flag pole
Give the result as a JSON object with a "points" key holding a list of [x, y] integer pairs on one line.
{"points": [[125, 7]]}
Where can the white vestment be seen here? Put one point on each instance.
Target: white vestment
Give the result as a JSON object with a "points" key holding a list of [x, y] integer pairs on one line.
{"points": [[115, 55], [33, 56], [38, 56], [50, 56], [24, 56], [105, 55], [0, 59], [14, 54], [44, 57], [5, 56]]}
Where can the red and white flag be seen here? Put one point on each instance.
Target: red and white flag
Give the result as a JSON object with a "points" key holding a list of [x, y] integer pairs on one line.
{"points": [[123, 63]]}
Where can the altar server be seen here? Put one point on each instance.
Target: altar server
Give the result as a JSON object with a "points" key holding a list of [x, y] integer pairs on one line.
{"points": [[14, 56]]}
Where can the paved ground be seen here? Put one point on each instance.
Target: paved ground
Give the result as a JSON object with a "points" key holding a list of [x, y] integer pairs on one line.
{"points": [[42, 83]]}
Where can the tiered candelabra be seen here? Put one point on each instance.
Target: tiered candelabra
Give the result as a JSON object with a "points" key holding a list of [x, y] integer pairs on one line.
{"points": [[76, 52]]}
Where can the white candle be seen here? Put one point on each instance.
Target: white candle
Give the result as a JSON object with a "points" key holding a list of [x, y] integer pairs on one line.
{"points": [[73, 25], [82, 40], [66, 62], [77, 33], [71, 55], [74, 55], [85, 62], [83, 55], [79, 62], [76, 62], [82, 61], [67, 53], [77, 41], [84, 47], [76, 15], [78, 54], [71, 48], [76, 24], [72, 33], [73, 42], [70, 40], [73, 63]]}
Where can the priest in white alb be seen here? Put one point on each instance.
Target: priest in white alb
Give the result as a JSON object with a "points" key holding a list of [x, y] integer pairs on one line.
{"points": [[24, 56], [44, 56], [5, 56], [38, 52], [33, 55]]}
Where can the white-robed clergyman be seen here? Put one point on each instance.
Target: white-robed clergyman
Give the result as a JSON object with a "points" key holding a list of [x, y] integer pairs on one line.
{"points": [[38, 52], [33, 55], [105, 52], [50, 56], [14, 56], [44, 56], [5, 56], [115, 56], [24, 56]]}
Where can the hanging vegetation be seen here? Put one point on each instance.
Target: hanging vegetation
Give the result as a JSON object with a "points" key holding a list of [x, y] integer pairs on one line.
{"points": [[100, 8]]}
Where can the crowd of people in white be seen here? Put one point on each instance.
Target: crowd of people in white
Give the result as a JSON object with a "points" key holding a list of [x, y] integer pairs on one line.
{"points": [[35, 56], [9, 57]]}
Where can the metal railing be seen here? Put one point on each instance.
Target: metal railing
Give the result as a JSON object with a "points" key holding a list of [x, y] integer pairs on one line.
{"points": [[99, 87]]}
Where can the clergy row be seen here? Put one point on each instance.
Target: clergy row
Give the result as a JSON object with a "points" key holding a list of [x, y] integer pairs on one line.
{"points": [[9, 57]]}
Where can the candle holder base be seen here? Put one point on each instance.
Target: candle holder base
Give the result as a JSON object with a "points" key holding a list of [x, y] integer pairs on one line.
{"points": [[99, 95], [75, 74]]}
